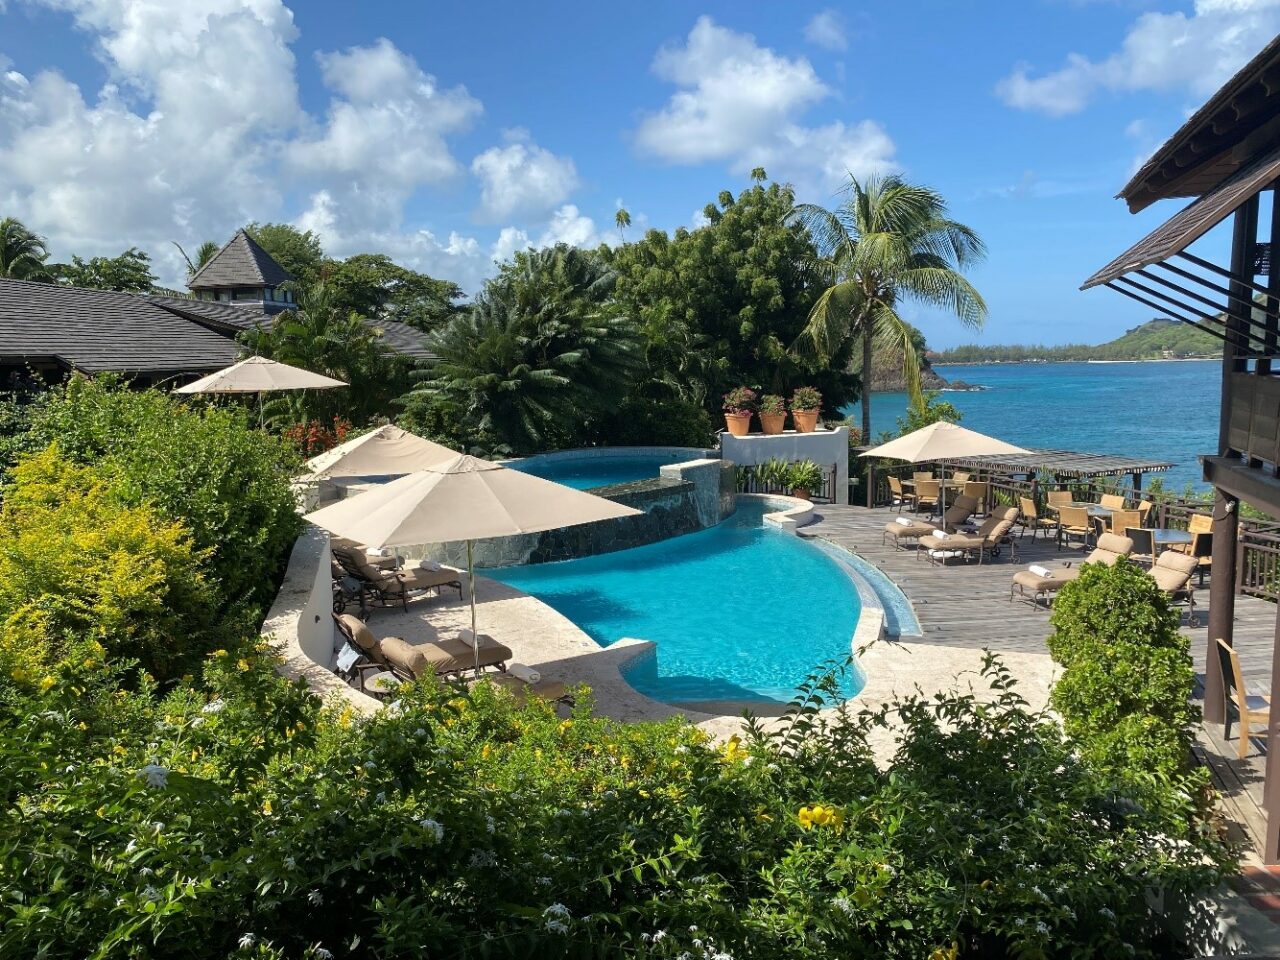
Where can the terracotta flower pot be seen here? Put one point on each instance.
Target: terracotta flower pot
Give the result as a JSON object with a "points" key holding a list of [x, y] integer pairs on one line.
{"points": [[806, 420], [772, 422], [739, 424], [801, 494]]}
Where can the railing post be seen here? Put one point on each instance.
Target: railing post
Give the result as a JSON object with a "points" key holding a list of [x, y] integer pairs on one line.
{"points": [[871, 483], [1271, 779], [1222, 601]]}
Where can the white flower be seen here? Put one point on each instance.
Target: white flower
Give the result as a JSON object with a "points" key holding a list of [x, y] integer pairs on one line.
{"points": [[291, 863], [154, 775], [844, 905], [369, 764], [131, 846], [150, 892], [321, 953], [1042, 927], [197, 722], [482, 858], [247, 940], [557, 926], [681, 749], [216, 706], [434, 827], [557, 910], [489, 824], [420, 732], [315, 898], [659, 936]]}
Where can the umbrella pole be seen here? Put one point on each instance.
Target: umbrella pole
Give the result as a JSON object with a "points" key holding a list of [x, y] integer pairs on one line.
{"points": [[471, 586]]}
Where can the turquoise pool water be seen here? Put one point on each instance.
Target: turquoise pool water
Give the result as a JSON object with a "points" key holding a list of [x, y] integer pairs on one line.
{"points": [[738, 611], [600, 470]]}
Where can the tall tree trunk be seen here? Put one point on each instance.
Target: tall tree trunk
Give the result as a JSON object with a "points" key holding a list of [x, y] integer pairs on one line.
{"points": [[867, 332]]}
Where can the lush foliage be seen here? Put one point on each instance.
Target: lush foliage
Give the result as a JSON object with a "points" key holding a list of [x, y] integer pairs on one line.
{"points": [[206, 468], [313, 437], [772, 404], [323, 336], [374, 286], [1150, 341], [887, 243], [77, 560], [540, 358], [298, 251], [237, 817], [1125, 691], [741, 401], [806, 398], [129, 272], [22, 252], [928, 409], [719, 305], [804, 475]]}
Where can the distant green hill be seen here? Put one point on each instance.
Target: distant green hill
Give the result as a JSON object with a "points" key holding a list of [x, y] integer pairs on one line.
{"points": [[1153, 340]]}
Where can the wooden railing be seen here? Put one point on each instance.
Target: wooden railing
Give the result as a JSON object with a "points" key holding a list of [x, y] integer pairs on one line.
{"points": [[748, 480]]}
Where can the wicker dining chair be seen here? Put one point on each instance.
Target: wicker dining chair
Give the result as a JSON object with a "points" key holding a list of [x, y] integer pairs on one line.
{"points": [[1056, 498], [1123, 519], [1112, 501], [928, 493], [980, 490], [1073, 522], [1031, 519], [897, 494], [1144, 544]]}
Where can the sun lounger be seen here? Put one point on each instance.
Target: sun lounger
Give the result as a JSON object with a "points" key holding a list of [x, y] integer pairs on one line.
{"points": [[956, 514], [1172, 573], [521, 689], [1110, 548], [411, 661], [987, 540], [393, 587]]}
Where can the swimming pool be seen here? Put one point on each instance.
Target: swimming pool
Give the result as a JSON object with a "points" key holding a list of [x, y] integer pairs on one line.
{"points": [[738, 611], [585, 469]]}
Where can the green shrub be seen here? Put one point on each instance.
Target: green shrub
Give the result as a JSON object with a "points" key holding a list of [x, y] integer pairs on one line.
{"points": [[76, 563], [207, 468], [804, 475], [1125, 692], [242, 812]]}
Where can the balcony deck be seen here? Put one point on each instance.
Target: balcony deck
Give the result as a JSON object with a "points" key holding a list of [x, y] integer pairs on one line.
{"points": [[968, 605]]}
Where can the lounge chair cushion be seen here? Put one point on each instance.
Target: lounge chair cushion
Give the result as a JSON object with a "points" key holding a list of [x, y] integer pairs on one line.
{"points": [[521, 689], [443, 656], [913, 531], [1057, 579], [1172, 570]]}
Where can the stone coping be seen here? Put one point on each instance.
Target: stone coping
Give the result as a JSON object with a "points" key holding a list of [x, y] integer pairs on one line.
{"points": [[788, 513]]}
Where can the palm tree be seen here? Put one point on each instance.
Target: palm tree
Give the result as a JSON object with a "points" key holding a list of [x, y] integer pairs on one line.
{"points": [[623, 220], [889, 241], [204, 253], [22, 253], [541, 352]]}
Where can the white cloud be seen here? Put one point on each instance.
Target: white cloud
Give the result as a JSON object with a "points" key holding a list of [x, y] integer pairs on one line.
{"points": [[740, 102], [522, 178], [1164, 52], [568, 225], [826, 30]]}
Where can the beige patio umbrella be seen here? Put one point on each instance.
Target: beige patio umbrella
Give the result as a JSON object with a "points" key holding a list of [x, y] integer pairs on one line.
{"points": [[387, 450], [260, 375], [462, 499], [941, 442]]}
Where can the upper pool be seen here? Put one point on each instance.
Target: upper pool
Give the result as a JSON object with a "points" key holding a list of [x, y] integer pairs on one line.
{"points": [[603, 466], [738, 611]]}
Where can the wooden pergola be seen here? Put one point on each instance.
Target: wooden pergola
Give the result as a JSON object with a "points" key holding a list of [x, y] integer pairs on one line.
{"points": [[1225, 156], [1067, 464]]}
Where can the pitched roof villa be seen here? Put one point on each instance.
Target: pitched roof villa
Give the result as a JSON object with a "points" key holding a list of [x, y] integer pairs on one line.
{"points": [[54, 330]]}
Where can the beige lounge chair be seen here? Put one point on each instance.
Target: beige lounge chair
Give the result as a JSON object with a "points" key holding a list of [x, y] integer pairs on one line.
{"points": [[987, 540], [1172, 573], [410, 661], [956, 514], [375, 560], [551, 690], [1111, 547], [1250, 710], [393, 587]]}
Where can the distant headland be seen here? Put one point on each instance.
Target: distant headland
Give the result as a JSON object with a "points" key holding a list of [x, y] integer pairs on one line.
{"points": [[1153, 340]]}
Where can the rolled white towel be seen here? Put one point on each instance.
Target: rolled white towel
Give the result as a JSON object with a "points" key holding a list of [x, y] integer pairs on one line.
{"points": [[523, 672], [467, 637], [1040, 571], [374, 552], [904, 521], [940, 535], [430, 566]]}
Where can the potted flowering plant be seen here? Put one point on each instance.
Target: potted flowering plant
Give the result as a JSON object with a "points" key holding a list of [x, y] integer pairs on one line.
{"points": [[805, 404], [773, 413], [739, 404], [804, 477]]}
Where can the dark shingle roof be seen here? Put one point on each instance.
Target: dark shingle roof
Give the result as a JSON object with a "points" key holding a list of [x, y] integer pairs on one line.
{"points": [[226, 318], [241, 263], [404, 339], [100, 331]]}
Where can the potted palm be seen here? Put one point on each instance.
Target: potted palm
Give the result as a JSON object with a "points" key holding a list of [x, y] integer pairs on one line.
{"points": [[804, 477], [773, 413], [739, 404], [806, 402]]}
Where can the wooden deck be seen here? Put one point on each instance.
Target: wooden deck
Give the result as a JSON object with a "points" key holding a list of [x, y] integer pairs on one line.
{"points": [[967, 604]]}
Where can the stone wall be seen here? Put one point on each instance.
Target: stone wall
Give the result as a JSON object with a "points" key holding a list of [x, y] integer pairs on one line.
{"points": [[686, 497]]}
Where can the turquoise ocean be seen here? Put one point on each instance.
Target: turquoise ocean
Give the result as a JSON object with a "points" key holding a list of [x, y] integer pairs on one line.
{"points": [[1162, 410]]}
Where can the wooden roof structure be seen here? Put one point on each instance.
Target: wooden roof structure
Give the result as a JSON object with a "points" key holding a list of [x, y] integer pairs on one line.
{"points": [[241, 263], [1236, 124], [1065, 463]]}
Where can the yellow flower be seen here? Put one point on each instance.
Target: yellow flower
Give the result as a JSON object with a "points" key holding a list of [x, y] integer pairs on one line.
{"points": [[565, 725], [946, 953], [119, 750], [47, 683], [82, 725], [219, 653], [733, 749], [344, 718], [266, 807], [485, 751], [820, 816], [19, 674], [242, 665]]}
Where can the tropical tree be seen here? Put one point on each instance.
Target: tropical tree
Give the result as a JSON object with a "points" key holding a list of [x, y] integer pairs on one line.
{"points": [[374, 286], [298, 251], [130, 272], [204, 253], [22, 253], [889, 241], [540, 358], [322, 336], [623, 219]]}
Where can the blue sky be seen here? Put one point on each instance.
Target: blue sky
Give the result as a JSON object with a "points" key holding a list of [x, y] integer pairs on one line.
{"points": [[448, 134]]}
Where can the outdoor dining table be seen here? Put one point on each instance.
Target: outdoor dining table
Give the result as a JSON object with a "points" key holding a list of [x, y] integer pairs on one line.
{"points": [[1165, 537], [1093, 509], [949, 484]]}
